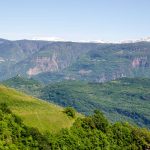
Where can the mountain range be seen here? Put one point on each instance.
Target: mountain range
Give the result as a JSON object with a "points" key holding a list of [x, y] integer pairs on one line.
{"points": [[70, 73], [50, 61]]}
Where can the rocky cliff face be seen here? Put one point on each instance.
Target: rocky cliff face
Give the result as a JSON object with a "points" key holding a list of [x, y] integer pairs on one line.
{"points": [[54, 57], [44, 64], [140, 62]]}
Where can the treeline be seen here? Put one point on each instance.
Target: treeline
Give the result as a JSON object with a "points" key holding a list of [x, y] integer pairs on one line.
{"points": [[95, 132], [88, 133]]}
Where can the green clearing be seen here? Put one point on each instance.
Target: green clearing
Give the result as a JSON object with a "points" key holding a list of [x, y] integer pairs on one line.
{"points": [[35, 112]]}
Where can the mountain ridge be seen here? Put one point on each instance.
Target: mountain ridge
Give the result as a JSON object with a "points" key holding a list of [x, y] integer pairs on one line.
{"points": [[52, 61]]}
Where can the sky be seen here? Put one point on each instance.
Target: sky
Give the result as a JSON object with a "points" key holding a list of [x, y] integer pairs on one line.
{"points": [[75, 20]]}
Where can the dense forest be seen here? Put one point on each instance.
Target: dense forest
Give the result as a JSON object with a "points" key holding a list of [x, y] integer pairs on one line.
{"points": [[90, 132], [125, 99]]}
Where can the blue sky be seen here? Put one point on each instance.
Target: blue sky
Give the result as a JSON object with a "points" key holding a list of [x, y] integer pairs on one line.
{"points": [[75, 20]]}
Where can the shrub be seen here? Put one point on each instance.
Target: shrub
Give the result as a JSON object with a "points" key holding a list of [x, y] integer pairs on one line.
{"points": [[100, 121], [70, 112], [4, 108]]}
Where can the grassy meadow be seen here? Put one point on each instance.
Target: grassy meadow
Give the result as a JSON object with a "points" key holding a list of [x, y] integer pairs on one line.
{"points": [[35, 112]]}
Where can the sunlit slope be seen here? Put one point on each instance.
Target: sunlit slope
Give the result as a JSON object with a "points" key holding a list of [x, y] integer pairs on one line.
{"points": [[34, 112]]}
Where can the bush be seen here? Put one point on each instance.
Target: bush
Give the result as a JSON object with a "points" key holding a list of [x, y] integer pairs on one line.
{"points": [[100, 121], [70, 112], [4, 108]]}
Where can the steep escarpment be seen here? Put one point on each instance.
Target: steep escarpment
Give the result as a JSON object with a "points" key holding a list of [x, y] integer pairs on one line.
{"points": [[53, 57], [44, 64], [14, 52], [112, 61]]}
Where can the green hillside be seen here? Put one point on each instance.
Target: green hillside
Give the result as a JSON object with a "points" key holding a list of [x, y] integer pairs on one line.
{"points": [[121, 100], [88, 133], [35, 112]]}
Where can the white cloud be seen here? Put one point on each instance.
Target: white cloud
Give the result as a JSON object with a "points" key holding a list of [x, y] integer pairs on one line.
{"points": [[94, 41], [42, 38], [146, 39], [48, 38]]}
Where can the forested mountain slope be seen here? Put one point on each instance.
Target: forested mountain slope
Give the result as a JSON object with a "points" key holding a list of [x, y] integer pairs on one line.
{"points": [[123, 99]]}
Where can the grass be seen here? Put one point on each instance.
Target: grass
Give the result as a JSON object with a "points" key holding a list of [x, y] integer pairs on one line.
{"points": [[35, 112]]}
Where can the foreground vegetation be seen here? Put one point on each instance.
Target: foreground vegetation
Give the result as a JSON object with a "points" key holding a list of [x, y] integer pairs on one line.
{"points": [[92, 132], [15, 135], [41, 125]]}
